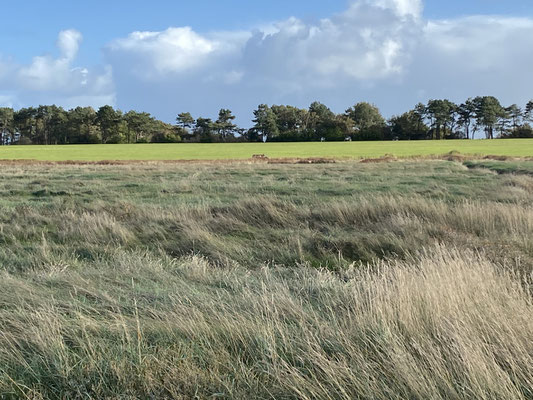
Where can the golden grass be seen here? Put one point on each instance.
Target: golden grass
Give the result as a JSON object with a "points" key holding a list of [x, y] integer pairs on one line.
{"points": [[442, 325]]}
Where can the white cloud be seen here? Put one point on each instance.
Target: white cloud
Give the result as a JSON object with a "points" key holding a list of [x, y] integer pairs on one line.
{"points": [[173, 51], [68, 43], [365, 42], [57, 80], [404, 8], [370, 42]]}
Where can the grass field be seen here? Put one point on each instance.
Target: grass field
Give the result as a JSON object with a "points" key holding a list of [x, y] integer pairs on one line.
{"points": [[398, 280], [510, 147]]}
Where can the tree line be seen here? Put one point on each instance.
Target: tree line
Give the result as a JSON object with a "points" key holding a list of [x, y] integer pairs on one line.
{"points": [[438, 119]]}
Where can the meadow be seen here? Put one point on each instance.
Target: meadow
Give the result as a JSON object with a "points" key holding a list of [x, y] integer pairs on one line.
{"points": [[237, 151], [391, 280]]}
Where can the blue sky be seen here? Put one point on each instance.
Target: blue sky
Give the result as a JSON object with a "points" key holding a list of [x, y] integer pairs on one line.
{"points": [[32, 28], [208, 54]]}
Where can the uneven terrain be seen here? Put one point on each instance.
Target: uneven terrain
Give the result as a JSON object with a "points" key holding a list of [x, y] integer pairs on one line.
{"points": [[381, 280]]}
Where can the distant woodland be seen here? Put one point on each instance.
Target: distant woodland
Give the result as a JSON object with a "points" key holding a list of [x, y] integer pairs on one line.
{"points": [[479, 117]]}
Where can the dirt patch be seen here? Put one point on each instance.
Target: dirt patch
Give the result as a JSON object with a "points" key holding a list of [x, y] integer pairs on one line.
{"points": [[262, 158], [302, 161], [498, 158], [385, 158], [292, 160], [255, 159], [451, 156]]}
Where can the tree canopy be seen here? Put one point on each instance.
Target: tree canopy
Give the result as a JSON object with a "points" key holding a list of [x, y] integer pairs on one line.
{"points": [[438, 119]]}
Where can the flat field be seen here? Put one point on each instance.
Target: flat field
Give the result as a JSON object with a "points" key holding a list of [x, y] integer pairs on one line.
{"points": [[235, 281], [190, 151]]}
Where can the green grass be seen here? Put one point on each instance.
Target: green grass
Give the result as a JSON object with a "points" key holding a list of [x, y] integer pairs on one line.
{"points": [[247, 213], [516, 147], [503, 167], [400, 280]]}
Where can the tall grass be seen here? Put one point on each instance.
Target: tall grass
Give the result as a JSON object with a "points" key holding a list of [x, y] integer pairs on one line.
{"points": [[442, 325], [349, 281]]}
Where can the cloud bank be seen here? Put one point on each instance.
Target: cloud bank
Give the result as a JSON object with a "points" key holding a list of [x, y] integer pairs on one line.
{"points": [[382, 51], [56, 80]]}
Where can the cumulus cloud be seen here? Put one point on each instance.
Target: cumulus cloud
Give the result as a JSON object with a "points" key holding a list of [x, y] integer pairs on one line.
{"points": [[57, 80], [68, 43], [365, 43], [174, 51], [404, 8], [368, 41], [289, 60], [383, 51]]}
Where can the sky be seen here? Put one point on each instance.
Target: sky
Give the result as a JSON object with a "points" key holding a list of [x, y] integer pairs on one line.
{"points": [[166, 57]]}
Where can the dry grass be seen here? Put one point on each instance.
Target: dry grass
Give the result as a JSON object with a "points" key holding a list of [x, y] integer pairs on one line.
{"points": [[341, 281], [441, 325]]}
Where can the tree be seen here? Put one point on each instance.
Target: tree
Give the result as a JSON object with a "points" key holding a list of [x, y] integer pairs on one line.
{"points": [[528, 111], [523, 131], [466, 112], [322, 112], [367, 121], [7, 125], [364, 116], [24, 122], [291, 122], [141, 125], [81, 126], [439, 119], [408, 126], [57, 121], [165, 133], [43, 115], [488, 111], [504, 119], [204, 129], [224, 124], [186, 125], [50, 125], [185, 120], [344, 126], [109, 121], [442, 116], [421, 110], [265, 122], [515, 114], [320, 121]]}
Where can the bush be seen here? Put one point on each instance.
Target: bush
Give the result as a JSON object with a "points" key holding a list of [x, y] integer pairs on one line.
{"points": [[23, 140], [376, 132], [165, 137], [524, 131]]}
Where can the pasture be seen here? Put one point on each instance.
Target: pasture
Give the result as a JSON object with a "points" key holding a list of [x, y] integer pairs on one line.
{"points": [[218, 151], [337, 281]]}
